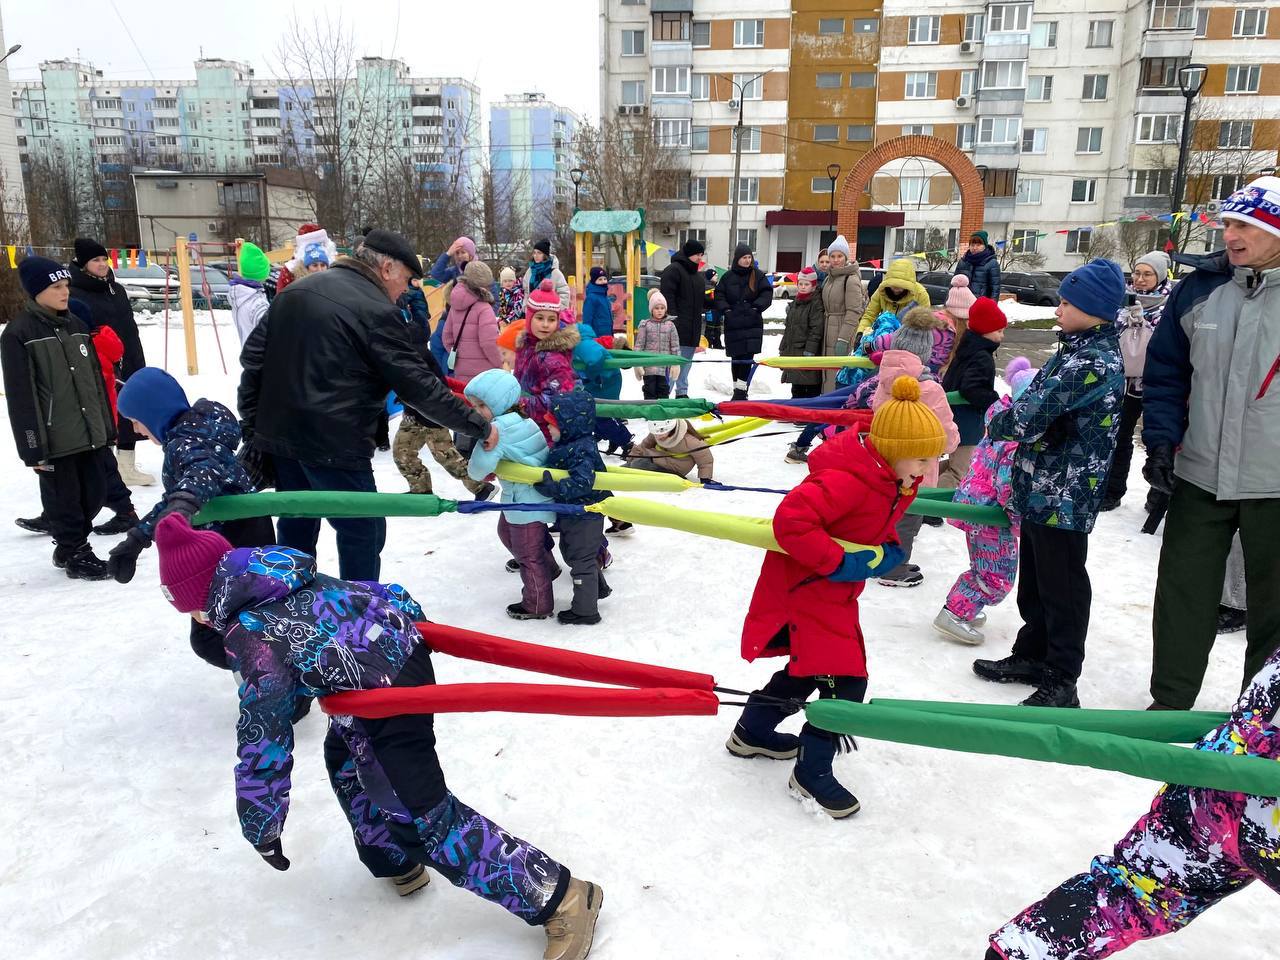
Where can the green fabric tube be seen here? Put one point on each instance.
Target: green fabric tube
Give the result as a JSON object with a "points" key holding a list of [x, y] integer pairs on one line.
{"points": [[935, 493], [670, 409], [625, 359], [955, 400], [1050, 742], [324, 503], [970, 512]]}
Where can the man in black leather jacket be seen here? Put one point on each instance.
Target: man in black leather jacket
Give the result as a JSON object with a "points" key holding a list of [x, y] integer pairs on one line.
{"points": [[317, 371]]}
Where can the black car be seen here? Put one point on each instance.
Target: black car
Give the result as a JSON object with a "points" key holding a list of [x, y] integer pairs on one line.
{"points": [[937, 284], [1040, 289]]}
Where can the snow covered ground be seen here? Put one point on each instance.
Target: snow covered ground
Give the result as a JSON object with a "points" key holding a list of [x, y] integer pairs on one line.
{"points": [[118, 835]]}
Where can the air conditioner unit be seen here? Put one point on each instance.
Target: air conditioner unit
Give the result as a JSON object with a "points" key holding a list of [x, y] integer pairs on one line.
{"points": [[968, 46], [1213, 207], [733, 104], [623, 110], [637, 109], [963, 101], [215, 226]]}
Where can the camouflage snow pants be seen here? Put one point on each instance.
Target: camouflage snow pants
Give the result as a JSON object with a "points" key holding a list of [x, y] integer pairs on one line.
{"points": [[411, 437]]}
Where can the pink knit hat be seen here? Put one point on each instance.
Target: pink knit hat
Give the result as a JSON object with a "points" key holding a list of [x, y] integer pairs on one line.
{"points": [[543, 298], [959, 298], [655, 297], [187, 560]]}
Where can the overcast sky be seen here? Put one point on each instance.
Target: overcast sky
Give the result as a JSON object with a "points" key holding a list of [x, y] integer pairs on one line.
{"points": [[504, 46]]}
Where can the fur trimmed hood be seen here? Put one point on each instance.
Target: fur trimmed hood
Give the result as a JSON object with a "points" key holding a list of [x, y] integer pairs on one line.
{"points": [[566, 338]]}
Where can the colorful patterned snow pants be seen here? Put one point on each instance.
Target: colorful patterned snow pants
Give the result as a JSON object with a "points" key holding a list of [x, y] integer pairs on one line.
{"points": [[411, 436], [993, 564]]}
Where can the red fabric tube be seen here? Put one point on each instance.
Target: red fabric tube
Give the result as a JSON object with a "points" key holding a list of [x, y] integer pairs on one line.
{"points": [[784, 413], [521, 698], [470, 645]]}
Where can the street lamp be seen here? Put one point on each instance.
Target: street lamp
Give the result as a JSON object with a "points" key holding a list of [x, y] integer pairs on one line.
{"points": [[1190, 81], [737, 156], [10, 52], [576, 176], [833, 174]]}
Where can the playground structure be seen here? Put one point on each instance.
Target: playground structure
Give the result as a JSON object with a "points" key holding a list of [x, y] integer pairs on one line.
{"points": [[589, 224]]}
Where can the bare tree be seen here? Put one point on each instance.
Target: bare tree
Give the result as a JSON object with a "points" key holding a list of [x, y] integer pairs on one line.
{"points": [[936, 254], [13, 232], [62, 199], [1013, 255]]}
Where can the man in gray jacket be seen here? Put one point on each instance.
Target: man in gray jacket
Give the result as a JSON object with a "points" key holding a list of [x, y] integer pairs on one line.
{"points": [[1211, 414]]}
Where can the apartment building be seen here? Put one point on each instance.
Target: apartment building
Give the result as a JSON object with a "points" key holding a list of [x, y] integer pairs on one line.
{"points": [[531, 154], [13, 196]]}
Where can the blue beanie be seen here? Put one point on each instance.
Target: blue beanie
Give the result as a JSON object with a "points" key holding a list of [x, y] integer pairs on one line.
{"points": [[1097, 288], [154, 399], [81, 310], [37, 273]]}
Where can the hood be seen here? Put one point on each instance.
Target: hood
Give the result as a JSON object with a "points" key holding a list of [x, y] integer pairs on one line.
{"points": [[240, 292], [672, 440], [900, 363], [251, 576], [887, 322], [596, 290], [901, 273], [1209, 262], [153, 398], [207, 420], [922, 318], [575, 414], [850, 452], [496, 389], [80, 280], [463, 297]]}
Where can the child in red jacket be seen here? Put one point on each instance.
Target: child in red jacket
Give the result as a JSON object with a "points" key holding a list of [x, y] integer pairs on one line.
{"points": [[805, 605]]}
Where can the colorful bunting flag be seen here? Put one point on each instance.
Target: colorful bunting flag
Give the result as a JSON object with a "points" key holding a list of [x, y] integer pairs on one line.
{"points": [[11, 250], [142, 258]]}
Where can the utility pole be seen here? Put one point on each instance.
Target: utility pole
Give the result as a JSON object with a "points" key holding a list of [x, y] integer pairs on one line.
{"points": [[737, 161]]}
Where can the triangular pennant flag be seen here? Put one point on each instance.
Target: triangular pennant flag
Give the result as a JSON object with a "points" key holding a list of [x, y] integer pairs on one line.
{"points": [[30, 251], [142, 258], [11, 250], [652, 249], [920, 256], [1062, 231], [876, 263]]}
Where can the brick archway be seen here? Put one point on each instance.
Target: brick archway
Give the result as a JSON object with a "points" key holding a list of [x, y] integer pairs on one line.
{"points": [[956, 162]]}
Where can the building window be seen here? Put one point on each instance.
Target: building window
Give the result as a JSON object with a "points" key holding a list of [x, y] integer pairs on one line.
{"points": [[862, 81], [700, 86], [748, 33], [671, 26], [820, 185], [1035, 139], [749, 236], [973, 27], [1024, 241], [908, 239], [1044, 34], [1039, 88], [699, 234], [752, 86], [633, 43], [1225, 185], [830, 25], [671, 133], [923, 29], [1004, 74], [868, 25], [700, 139], [1243, 79], [912, 190], [968, 82], [999, 129], [750, 139], [698, 190], [1084, 191], [964, 136], [670, 81], [859, 133], [1158, 128], [1202, 23], [1095, 86], [1078, 241], [633, 92], [702, 33], [1161, 73], [1029, 189], [1009, 18], [1250, 22], [1172, 14], [1235, 134], [1100, 33], [748, 189], [826, 132], [1150, 183], [917, 130], [922, 86], [829, 81], [1089, 140]]}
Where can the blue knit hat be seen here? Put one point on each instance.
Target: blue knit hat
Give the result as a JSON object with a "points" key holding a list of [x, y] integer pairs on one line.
{"points": [[1097, 288], [37, 273], [154, 399]]}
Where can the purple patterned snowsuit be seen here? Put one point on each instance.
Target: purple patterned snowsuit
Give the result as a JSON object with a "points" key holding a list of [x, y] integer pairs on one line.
{"points": [[1193, 848], [289, 630], [993, 551]]}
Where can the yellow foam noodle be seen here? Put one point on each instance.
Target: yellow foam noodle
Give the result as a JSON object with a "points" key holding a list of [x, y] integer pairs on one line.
{"points": [[630, 481], [736, 429], [817, 363]]}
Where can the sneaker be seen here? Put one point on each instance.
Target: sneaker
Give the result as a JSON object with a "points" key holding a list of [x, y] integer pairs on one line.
{"points": [[120, 523], [1055, 690], [797, 454], [620, 528], [517, 611], [513, 565], [80, 562], [573, 925], [1012, 669], [411, 882], [583, 619], [485, 491], [34, 524], [1231, 620], [949, 625], [912, 578]]}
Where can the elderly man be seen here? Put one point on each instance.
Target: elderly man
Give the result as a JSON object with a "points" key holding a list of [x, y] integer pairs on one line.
{"points": [[1211, 412], [317, 371]]}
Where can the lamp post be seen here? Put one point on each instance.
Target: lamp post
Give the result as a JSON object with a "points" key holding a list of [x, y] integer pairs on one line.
{"points": [[737, 158], [1190, 81], [833, 174], [10, 52], [576, 176]]}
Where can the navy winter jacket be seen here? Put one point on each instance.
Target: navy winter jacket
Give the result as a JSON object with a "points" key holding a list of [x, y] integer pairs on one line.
{"points": [[576, 451], [983, 272]]}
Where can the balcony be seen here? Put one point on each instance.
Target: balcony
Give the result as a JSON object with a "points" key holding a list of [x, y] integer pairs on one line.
{"points": [[1168, 42]]}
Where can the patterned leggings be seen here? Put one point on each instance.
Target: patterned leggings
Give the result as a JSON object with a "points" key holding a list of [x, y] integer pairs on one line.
{"points": [[993, 564], [411, 436]]}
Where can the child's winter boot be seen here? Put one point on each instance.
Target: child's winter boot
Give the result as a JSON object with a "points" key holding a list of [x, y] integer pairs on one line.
{"points": [[122, 522], [756, 735], [949, 625], [573, 925], [413, 881], [518, 611], [797, 454], [812, 777]]}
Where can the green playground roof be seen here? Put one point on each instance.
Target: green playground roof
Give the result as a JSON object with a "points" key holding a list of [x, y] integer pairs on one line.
{"points": [[606, 221]]}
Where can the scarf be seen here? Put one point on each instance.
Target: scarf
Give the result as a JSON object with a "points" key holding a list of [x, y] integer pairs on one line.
{"points": [[539, 272], [805, 297]]}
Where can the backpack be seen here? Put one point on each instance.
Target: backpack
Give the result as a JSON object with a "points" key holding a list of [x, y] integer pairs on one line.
{"points": [[1134, 337]]}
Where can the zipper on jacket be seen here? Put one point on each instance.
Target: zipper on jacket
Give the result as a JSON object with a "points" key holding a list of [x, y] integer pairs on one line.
{"points": [[1271, 375]]}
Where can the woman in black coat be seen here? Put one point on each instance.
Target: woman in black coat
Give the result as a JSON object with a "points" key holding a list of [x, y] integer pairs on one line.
{"points": [[742, 296]]}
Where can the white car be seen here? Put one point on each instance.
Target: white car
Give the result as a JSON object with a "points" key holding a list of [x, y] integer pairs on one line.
{"points": [[146, 283]]}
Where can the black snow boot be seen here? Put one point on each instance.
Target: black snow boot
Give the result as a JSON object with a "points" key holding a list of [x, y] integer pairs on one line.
{"points": [[120, 523], [756, 735], [1055, 690], [485, 491], [1230, 620], [33, 524], [518, 611], [739, 394], [581, 619], [812, 777], [991, 954], [513, 565], [80, 562], [1012, 669]]}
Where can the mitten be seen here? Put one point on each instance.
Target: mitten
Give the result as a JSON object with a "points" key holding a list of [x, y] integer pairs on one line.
{"points": [[273, 853], [548, 486], [862, 566], [1158, 470], [842, 348]]}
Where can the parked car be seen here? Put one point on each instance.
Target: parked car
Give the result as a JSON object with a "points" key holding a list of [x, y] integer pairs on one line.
{"points": [[146, 283], [1037, 288], [937, 284], [647, 280], [219, 293], [784, 285]]}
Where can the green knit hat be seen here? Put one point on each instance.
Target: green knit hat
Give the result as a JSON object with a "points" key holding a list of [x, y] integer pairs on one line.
{"points": [[254, 264]]}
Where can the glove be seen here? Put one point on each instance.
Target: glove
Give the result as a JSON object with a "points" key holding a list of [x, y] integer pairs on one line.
{"points": [[810, 353], [273, 854], [548, 486], [842, 348], [122, 561], [1158, 470], [859, 566], [639, 372]]}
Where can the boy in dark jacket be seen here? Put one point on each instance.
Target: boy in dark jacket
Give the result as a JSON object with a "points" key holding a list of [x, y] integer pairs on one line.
{"points": [[199, 464], [59, 411], [1065, 424], [291, 631], [972, 373], [575, 450]]}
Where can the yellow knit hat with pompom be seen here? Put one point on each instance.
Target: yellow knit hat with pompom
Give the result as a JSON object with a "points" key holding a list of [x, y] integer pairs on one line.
{"points": [[904, 428]]}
